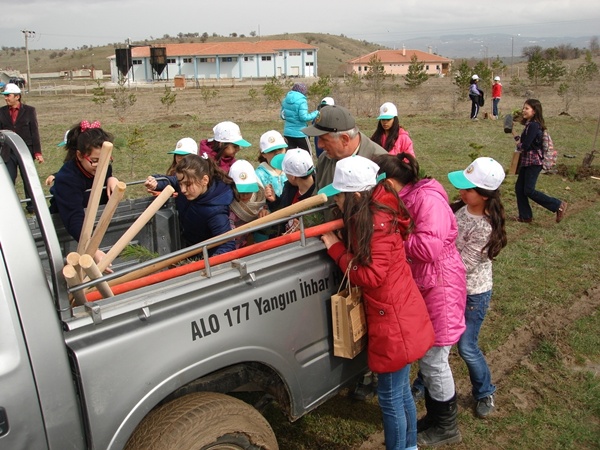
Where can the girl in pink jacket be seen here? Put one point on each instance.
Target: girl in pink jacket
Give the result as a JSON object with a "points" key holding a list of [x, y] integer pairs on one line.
{"points": [[376, 225], [440, 275], [389, 134]]}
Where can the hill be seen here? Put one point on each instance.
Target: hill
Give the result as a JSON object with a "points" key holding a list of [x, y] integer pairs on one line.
{"points": [[334, 51]]}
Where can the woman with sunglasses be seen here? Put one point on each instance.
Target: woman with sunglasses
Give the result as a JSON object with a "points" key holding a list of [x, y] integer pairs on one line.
{"points": [[71, 190]]}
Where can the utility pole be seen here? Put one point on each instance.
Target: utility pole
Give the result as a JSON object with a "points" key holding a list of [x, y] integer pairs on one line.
{"points": [[512, 53], [28, 34]]}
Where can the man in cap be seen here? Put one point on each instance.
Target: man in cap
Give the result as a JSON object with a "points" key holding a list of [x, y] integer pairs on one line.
{"points": [[21, 119], [339, 138]]}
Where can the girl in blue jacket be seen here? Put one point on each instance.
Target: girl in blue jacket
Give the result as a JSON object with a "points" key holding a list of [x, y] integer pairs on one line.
{"points": [[204, 195], [294, 110]]}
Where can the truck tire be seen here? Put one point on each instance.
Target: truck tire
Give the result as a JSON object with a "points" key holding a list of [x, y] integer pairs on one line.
{"points": [[203, 421]]}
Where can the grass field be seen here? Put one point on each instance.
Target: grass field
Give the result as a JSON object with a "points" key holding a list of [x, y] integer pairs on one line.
{"points": [[541, 336]]}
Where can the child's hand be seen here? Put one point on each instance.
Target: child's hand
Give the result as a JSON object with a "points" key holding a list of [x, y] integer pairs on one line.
{"points": [[111, 184], [151, 183], [49, 180], [329, 239], [98, 257], [269, 193], [264, 211]]}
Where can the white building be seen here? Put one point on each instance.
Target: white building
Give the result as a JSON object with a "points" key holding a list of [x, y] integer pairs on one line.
{"points": [[217, 60]]}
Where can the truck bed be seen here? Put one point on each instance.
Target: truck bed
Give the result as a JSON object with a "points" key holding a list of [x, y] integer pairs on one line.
{"points": [[262, 321]]}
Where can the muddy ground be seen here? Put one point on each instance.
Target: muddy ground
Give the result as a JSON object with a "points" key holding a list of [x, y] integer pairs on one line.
{"points": [[511, 355]]}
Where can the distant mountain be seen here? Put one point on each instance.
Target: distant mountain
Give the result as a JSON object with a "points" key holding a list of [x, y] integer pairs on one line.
{"points": [[482, 46]]}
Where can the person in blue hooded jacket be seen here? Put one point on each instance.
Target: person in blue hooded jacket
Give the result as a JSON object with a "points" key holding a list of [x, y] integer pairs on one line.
{"points": [[294, 111], [204, 193]]}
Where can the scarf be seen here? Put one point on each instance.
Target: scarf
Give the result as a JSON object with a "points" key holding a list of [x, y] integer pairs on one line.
{"points": [[249, 211]]}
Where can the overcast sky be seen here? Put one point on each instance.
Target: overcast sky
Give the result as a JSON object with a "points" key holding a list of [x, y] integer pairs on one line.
{"points": [[74, 23]]}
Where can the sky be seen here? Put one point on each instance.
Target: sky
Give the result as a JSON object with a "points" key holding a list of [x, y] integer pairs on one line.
{"points": [[74, 23]]}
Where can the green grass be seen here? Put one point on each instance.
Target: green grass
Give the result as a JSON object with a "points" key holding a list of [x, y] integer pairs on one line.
{"points": [[548, 390]]}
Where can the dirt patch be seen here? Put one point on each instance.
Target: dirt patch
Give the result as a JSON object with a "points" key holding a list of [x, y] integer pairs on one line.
{"points": [[515, 353]]}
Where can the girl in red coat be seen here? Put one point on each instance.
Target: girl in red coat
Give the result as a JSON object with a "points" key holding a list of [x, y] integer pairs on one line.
{"points": [[371, 247]]}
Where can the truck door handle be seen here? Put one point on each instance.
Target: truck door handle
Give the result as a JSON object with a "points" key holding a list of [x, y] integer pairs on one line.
{"points": [[3, 422]]}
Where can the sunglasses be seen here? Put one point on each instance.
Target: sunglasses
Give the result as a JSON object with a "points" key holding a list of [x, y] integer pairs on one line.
{"points": [[93, 162]]}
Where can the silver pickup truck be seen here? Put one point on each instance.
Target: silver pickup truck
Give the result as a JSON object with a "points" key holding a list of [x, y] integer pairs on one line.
{"points": [[154, 367]]}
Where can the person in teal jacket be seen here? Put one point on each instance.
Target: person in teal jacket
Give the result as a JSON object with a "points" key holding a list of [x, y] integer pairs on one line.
{"points": [[294, 111]]}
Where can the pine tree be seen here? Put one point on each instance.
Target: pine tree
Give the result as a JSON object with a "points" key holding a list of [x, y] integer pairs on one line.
{"points": [[416, 75]]}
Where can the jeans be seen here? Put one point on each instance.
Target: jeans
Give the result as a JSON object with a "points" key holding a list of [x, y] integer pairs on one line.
{"points": [[398, 408], [299, 142], [437, 374], [474, 106], [495, 102], [468, 345], [525, 190]]}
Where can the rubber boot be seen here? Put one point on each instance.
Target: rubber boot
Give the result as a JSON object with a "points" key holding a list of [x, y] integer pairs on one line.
{"points": [[429, 419], [445, 430]]}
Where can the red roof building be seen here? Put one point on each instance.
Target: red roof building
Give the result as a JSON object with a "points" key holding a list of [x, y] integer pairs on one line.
{"points": [[396, 62]]}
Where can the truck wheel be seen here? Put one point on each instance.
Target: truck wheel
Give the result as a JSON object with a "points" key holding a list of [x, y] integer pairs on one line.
{"points": [[203, 421]]}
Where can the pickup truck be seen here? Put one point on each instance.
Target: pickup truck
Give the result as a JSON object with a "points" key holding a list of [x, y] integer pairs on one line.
{"points": [[155, 367]]}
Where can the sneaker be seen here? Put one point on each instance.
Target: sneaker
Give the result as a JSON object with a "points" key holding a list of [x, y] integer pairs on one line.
{"points": [[485, 406], [418, 394]]}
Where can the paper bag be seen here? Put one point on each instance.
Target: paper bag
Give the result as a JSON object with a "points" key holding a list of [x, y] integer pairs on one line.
{"points": [[349, 322], [514, 163]]}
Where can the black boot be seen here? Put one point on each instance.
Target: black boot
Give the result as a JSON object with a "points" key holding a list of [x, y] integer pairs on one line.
{"points": [[445, 430], [365, 389], [429, 419]]}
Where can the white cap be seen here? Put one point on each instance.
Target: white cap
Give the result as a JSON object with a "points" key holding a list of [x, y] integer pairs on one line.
{"points": [[352, 174], [496, 78], [11, 88], [328, 101], [475, 77], [185, 146], [244, 177], [272, 140], [387, 111], [229, 132], [484, 173], [296, 162], [64, 141]]}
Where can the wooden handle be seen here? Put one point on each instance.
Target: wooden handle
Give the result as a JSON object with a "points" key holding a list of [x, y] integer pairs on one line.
{"points": [[105, 218], [135, 228], [73, 260], [91, 269], [302, 205], [73, 279], [95, 194]]}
